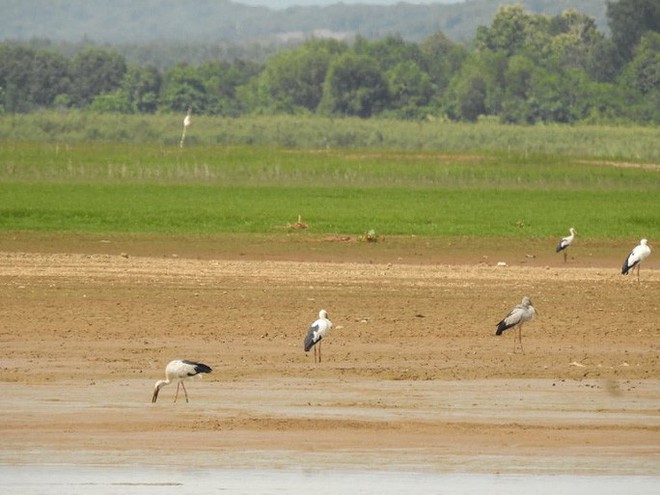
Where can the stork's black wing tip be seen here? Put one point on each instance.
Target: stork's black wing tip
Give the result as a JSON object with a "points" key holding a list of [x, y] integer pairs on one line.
{"points": [[309, 343], [501, 326], [199, 367], [203, 368]]}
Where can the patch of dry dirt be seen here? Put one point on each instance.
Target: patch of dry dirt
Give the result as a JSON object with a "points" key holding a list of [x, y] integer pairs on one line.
{"points": [[413, 375]]}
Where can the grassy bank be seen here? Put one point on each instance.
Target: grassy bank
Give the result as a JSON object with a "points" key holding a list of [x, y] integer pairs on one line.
{"points": [[431, 211], [65, 183], [208, 210], [608, 142], [94, 162]]}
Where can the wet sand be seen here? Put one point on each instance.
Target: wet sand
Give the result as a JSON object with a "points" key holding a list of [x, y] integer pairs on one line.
{"points": [[413, 378], [164, 481]]}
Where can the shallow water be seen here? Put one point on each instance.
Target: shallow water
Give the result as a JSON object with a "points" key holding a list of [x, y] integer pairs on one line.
{"points": [[139, 480]]}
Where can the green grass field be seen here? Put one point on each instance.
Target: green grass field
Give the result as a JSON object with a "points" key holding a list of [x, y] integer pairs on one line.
{"points": [[198, 209], [106, 186]]}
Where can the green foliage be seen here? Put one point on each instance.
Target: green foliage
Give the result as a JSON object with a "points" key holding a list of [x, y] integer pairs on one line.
{"points": [[116, 102], [221, 84], [183, 88], [411, 89], [441, 59], [527, 68], [476, 89], [642, 77], [141, 88], [574, 42], [94, 72], [643, 72], [49, 78], [355, 86], [629, 20], [294, 79], [31, 79], [513, 31], [389, 51]]}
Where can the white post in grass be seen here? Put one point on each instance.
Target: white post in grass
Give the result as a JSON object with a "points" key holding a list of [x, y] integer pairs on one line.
{"points": [[186, 124]]}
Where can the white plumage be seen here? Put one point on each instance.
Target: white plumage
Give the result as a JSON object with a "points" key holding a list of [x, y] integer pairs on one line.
{"points": [[565, 242], [517, 316], [178, 371], [635, 258], [316, 332], [186, 123]]}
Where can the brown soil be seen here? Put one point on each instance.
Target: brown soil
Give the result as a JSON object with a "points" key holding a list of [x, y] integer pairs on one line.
{"points": [[412, 376]]}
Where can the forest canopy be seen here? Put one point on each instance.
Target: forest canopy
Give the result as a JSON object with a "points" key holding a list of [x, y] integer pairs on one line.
{"points": [[521, 68]]}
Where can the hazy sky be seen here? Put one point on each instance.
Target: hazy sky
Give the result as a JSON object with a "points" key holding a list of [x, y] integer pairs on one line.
{"points": [[281, 4]]}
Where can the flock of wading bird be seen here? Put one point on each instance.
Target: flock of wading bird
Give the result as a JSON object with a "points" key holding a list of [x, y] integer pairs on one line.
{"points": [[179, 370]]}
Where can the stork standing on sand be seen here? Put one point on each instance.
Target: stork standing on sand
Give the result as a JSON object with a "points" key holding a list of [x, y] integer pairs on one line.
{"points": [[316, 332], [516, 317], [635, 258], [178, 371], [565, 242]]}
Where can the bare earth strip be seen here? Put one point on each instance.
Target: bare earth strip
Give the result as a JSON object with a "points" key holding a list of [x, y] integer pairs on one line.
{"points": [[412, 376]]}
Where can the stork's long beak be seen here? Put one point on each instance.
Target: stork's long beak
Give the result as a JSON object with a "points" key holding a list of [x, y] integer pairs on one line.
{"points": [[155, 396]]}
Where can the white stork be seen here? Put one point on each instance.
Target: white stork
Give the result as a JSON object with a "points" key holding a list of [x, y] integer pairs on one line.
{"points": [[316, 332], [178, 371], [565, 242], [635, 258], [516, 317], [186, 123]]}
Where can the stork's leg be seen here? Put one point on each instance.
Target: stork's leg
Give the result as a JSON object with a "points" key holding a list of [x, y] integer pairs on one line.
{"points": [[178, 384], [639, 265], [517, 338], [184, 390], [565, 256], [315, 354], [514, 340], [319, 352]]}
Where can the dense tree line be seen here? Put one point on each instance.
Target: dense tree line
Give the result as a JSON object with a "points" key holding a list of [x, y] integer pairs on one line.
{"points": [[523, 68]]}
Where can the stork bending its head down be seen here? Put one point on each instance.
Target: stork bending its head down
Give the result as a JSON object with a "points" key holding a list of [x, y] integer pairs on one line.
{"points": [[178, 371]]}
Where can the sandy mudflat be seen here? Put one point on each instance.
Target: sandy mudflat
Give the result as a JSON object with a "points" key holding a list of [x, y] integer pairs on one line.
{"points": [[412, 378]]}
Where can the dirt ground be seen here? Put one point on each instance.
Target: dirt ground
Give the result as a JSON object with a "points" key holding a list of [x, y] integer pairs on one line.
{"points": [[413, 376]]}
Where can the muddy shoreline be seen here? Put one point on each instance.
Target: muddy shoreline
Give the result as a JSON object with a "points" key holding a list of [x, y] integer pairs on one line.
{"points": [[413, 377]]}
